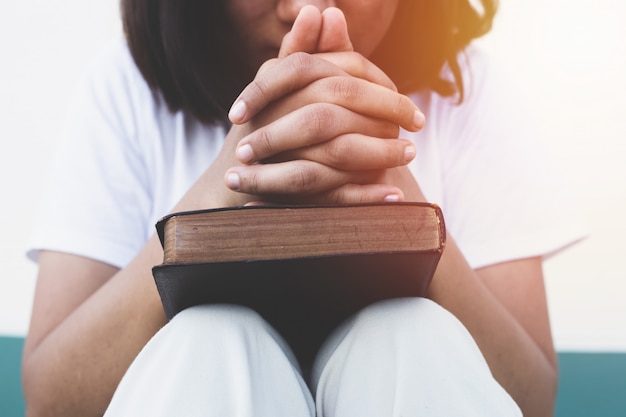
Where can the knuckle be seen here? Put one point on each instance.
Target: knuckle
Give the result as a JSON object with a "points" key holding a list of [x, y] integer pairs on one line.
{"points": [[403, 107], [250, 183], [395, 156], [361, 64], [303, 177], [392, 155], [267, 65], [299, 63], [336, 196], [317, 119], [361, 196], [346, 89], [262, 143], [256, 89], [336, 152]]}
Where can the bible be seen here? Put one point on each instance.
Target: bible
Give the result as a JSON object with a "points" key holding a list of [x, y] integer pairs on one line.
{"points": [[304, 269]]}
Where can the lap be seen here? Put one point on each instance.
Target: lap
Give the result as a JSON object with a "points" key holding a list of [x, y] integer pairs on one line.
{"points": [[408, 355], [404, 355]]}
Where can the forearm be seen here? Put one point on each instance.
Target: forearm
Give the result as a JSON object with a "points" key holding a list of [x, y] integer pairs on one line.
{"points": [[525, 367], [526, 371], [76, 367], [84, 337]]}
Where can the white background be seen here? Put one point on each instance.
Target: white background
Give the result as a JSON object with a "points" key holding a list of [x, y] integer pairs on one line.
{"points": [[568, 55]]}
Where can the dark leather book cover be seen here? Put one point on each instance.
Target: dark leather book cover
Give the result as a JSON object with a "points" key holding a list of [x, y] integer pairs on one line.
{"points": [[303, 298]]}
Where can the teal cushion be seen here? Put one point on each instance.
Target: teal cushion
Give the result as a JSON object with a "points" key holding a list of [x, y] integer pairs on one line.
{"points": [[592, 384], [11, 396]]}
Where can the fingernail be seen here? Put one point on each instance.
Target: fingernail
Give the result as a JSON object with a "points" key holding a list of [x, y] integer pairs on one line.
{"points": [[419, 119], [392, 198], [232, 181], [245, 153], [409, 153], [237, 111]]}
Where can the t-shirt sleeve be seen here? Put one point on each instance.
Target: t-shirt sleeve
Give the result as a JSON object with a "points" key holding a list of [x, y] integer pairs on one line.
{"points": [[504, 197], [97, 195]]}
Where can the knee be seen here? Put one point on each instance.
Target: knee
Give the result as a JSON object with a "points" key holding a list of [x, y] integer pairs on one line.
{"points": [[217, 322], [399, 316], [224, 331], [407, 326], [214, 314], [413, 310]]}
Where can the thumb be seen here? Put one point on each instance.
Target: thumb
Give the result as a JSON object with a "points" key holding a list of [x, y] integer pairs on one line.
{"points": [[334, 35], [304, 34]]}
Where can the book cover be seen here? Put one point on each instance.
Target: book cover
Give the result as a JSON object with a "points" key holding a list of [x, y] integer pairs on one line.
{"points": [[386, 251]]}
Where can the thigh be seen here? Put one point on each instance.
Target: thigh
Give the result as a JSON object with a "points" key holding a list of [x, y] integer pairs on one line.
{"points": [[213, 361], [405, 357]]}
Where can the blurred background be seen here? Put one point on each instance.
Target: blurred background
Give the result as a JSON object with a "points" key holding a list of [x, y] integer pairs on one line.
{"points": [[568, 55]]}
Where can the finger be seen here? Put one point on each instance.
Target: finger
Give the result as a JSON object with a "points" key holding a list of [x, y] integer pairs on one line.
{"points": [[293, 178], [358, 66], [367, 98], [304, 33], [359, 194], [346, 194], [334, 32], [376, 116], [308, 125], [353, 152], [277, 78]]}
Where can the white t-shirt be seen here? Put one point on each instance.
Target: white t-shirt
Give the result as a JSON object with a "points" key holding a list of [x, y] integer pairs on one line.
{"points": [[124, 160]]}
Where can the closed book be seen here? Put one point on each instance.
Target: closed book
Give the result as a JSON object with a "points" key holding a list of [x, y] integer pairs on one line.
{"points": [[304, 269]]}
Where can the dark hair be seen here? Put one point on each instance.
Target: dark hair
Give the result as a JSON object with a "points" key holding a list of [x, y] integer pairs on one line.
{"points": [[437, 31], [188, 50]]}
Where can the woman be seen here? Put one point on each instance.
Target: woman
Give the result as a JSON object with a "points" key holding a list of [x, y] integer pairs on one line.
{"points": [[318, 121]]}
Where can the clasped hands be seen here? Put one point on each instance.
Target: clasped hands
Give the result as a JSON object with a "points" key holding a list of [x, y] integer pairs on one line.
{"points": [[320, 123]]}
